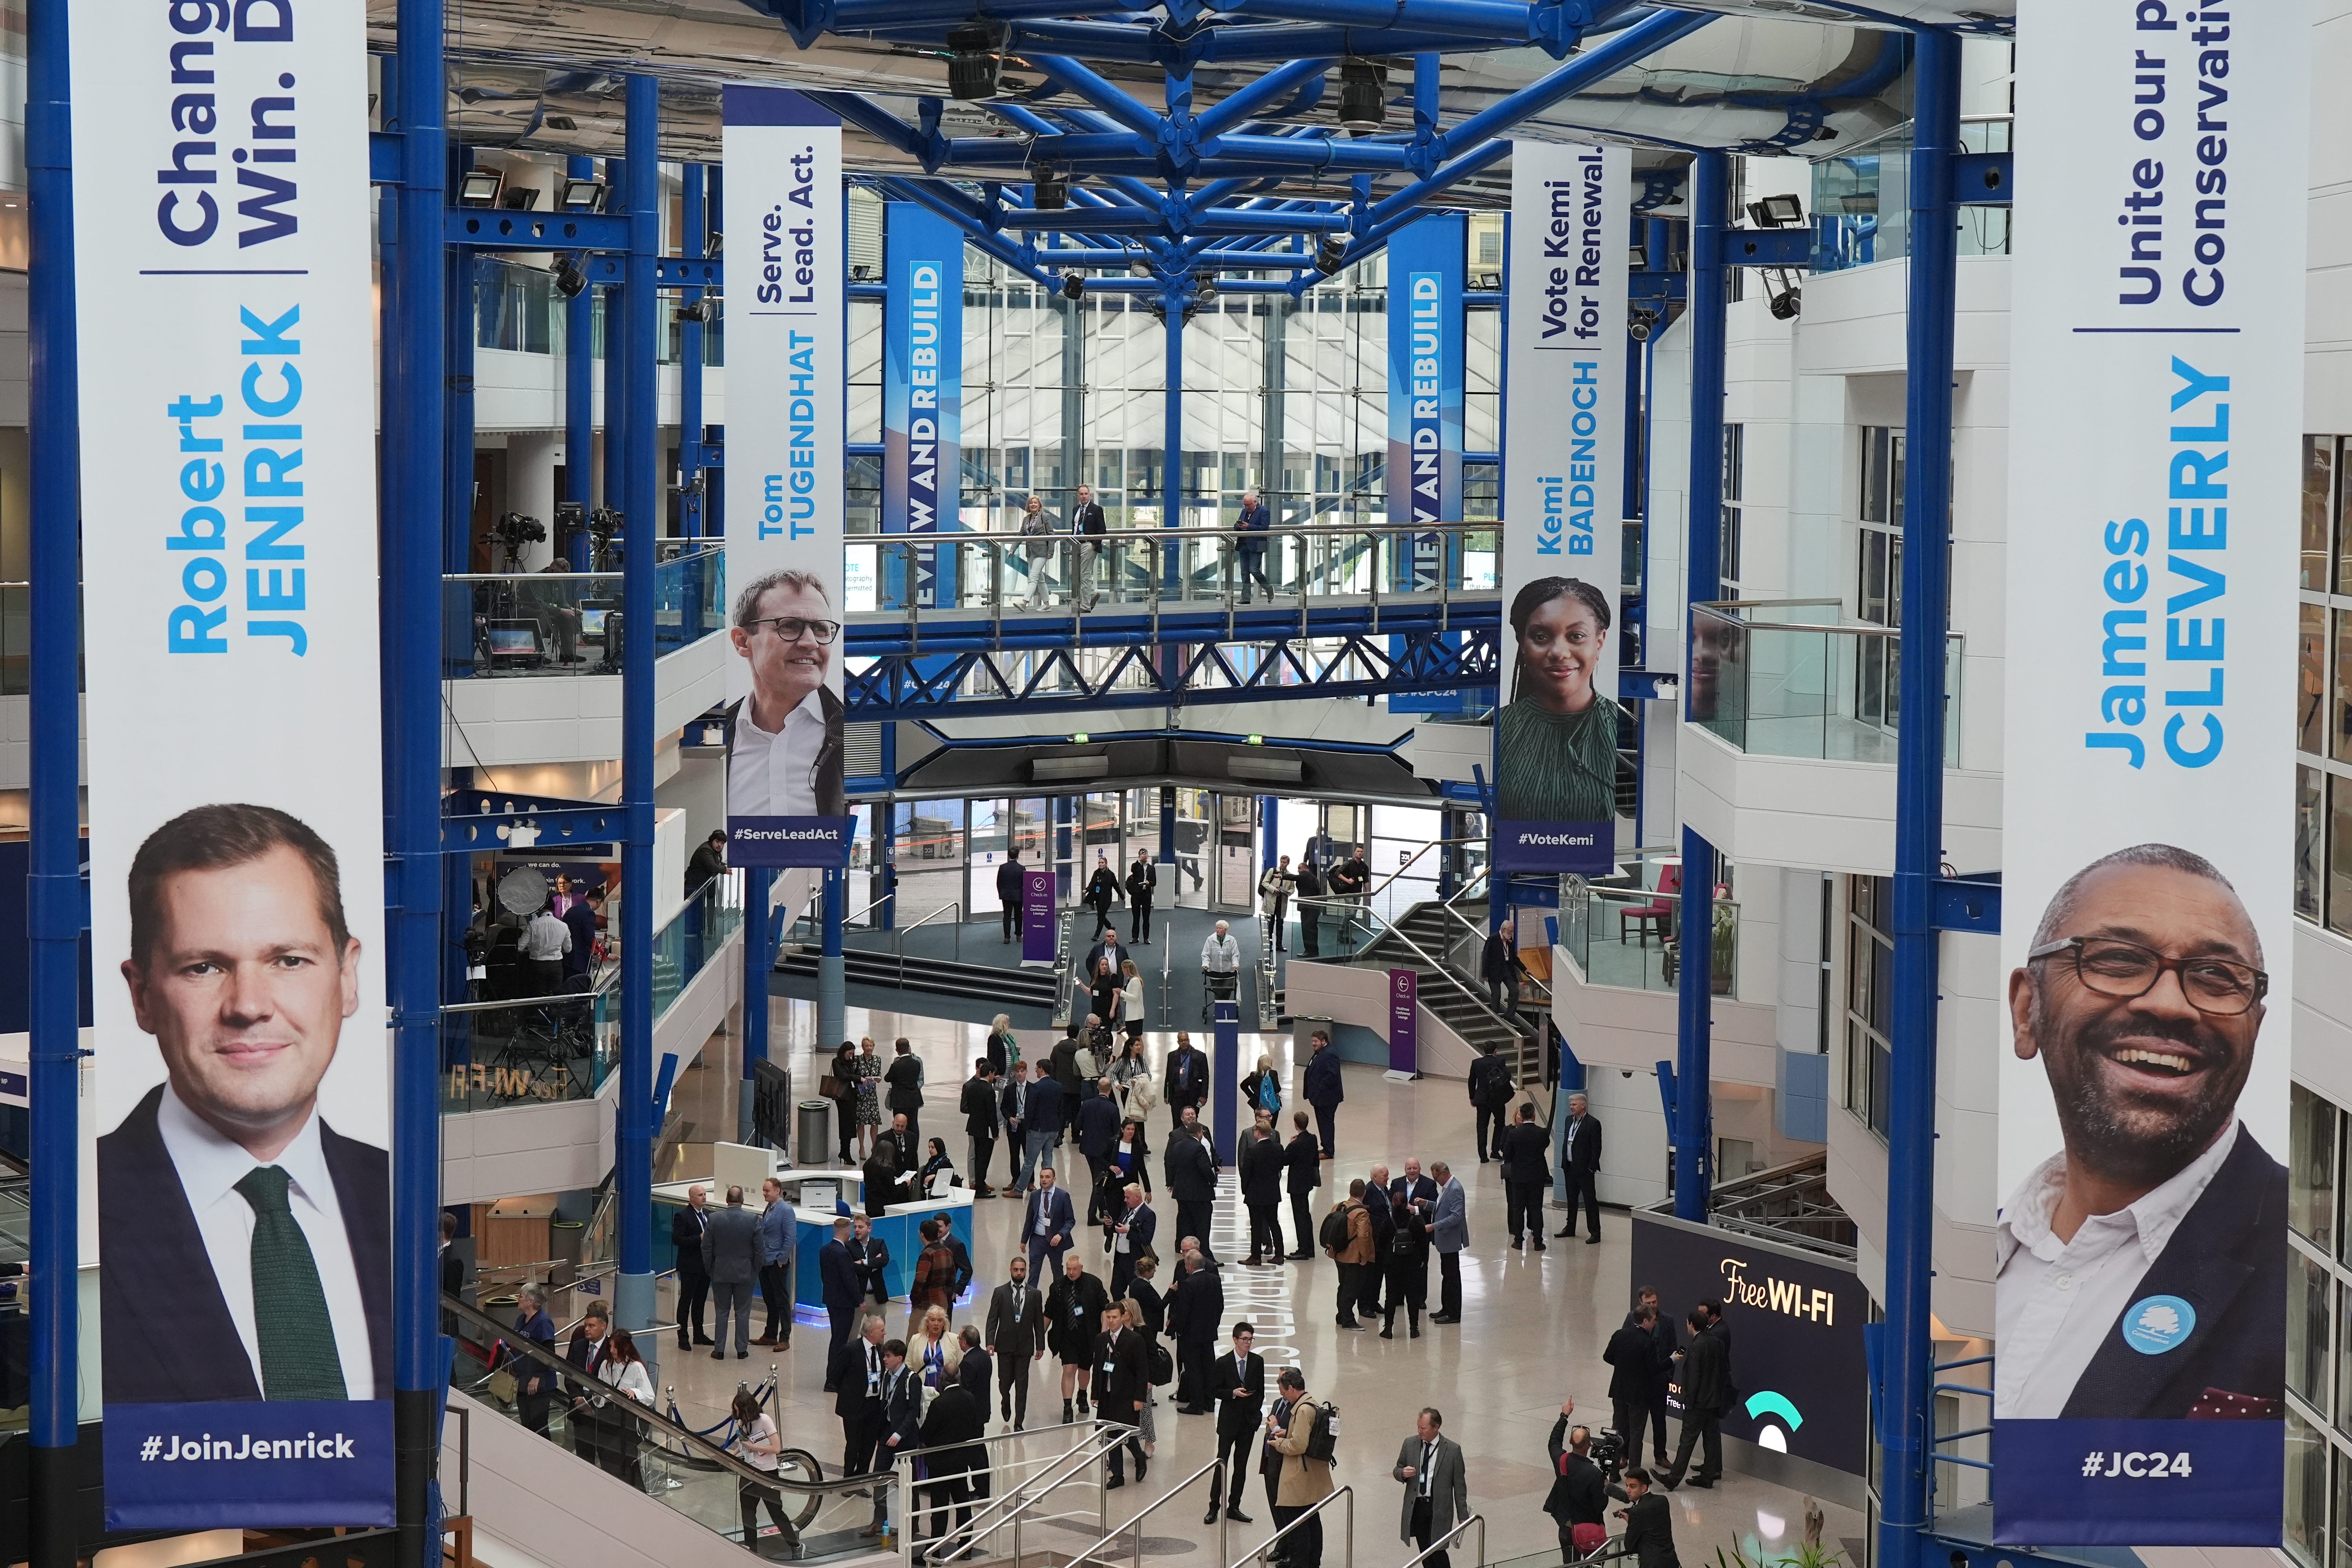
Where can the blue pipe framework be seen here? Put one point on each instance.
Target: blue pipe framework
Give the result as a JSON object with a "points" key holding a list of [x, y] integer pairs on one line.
{"points": [[55, 896]]}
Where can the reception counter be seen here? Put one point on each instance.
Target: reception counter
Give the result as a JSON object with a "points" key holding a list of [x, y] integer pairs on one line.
{"points": [[818, 1197]]}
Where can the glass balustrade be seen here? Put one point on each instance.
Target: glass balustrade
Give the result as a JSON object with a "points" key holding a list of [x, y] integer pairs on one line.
{"points": [[511, 624], [1008, 572], [694, 937], [530, 1052], [1862, 200], [1626, 930], [1785, 677]]}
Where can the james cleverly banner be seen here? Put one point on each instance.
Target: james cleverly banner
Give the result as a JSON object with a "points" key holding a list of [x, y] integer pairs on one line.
{"points": [[785, 375], [922, 399], [1563, 452], [244, 1214], [2156, 399]]}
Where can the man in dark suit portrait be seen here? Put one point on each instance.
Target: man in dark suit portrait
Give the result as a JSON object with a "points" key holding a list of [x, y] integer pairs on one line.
{"points": [[274, 1229], [1579, 1158], [783, 741], [2140, 1274], [686, 1227], [1237, 1383]]}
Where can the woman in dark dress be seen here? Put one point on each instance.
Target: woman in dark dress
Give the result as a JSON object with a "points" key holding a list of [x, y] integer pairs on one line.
{"points": [[844, 1096]]}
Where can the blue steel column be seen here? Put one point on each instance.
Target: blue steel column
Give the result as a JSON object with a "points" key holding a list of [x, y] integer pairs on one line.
{"points": [[412, 684], [759, 888], [1908, 1366], [578, 391], [832, 980], [1694, 1067], [53, 890], [633, 1144], [1171, 437], [689, 367]]}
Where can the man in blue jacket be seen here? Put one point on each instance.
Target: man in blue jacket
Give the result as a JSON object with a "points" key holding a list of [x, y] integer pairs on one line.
{"points": [[837, 1273], [779, 1233], [1048, 1226], [1324, 1091]]}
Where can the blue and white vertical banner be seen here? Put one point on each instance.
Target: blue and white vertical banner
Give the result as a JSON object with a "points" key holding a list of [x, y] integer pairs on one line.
{"points": [[1563, 475], [1425, 356], [2155, 400], [786, 370], [922, 396], [228, 492]]}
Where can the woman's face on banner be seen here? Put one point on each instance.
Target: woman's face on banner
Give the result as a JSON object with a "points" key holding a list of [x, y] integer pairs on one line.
{"points": [[1558, 653]]}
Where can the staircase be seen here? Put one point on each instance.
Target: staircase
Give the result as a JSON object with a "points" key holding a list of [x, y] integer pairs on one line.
{"points": [[939, 977], [1428, 928]]}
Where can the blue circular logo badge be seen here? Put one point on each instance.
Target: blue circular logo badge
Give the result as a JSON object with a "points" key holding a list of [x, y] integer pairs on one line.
{"points": [[2154, 1324]]}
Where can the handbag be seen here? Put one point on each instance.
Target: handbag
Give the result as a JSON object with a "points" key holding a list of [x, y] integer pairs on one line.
{"points": [[503, 1386], [828, 1088]]}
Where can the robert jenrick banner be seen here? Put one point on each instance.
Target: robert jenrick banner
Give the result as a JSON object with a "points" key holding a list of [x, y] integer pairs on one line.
{"points": [[243, 1222], [785, 801], [1555, 738], [2155, 400]]}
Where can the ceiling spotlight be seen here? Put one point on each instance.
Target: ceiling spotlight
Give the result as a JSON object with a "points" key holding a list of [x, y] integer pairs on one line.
{"points": [[479, 187], [569, 280], [711, 247], [521, 199], [1333, 252], [1051, 192], [700, 312], [583, 195], [1639, 322], [1777, 211], [1139, 269], [974, 61], [1786, 305], [1072, 285], [1363, 96], [1204, 284]]}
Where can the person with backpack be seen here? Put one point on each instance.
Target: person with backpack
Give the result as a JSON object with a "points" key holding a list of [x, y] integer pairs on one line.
{"points": [[1490, 1092], [1302, 1432], [1346, 1237]]}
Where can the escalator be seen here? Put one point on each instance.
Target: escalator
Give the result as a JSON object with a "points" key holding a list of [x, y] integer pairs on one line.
{"points": [[579, 1473]]}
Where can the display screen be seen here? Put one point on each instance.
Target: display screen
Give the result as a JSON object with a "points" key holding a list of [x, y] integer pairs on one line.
{"points": [[514, 636]]}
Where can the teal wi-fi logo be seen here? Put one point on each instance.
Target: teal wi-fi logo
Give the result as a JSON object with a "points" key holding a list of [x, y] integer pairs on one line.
{"points": [[1776, 1417]]}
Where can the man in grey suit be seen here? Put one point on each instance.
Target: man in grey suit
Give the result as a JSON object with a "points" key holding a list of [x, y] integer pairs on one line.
{"points": [[1436, 1489], [730, 1256], [1449, 1233]]}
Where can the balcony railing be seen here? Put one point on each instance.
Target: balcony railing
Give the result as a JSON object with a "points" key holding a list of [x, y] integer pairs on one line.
{"points": [[1787, 678], [537, 1050], [1623, 931], [515, 624], [1161, 567]]}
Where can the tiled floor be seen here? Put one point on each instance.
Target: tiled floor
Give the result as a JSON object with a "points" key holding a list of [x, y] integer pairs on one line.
{"points": [[1533, 1326]]}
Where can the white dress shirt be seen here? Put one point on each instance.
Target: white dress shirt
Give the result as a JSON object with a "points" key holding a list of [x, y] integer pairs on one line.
{"points": [[210, 1166], [546, 939], [775, 775], [2055, 1300]]}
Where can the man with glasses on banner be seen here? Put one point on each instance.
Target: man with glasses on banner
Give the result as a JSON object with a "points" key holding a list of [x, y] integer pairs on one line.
{"points": [[783, 741], [2143, 1267]]}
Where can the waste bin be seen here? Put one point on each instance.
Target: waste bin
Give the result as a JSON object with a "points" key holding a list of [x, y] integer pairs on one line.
{"points": [[565, 1239], [813, 1139]]}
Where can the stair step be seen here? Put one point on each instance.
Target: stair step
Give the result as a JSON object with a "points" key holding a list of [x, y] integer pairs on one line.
{"points": [[939, 977]]}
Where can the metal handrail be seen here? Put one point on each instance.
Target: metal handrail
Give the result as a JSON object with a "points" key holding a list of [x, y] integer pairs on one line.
{"points": [[1440, 1544], [1347, 1558], [1015, 1505], [610, 981], [1715, 610], [1397, 932], [957, 906], [899, 936], [1332, 530], [1223, 1527], [1030, 1435]]}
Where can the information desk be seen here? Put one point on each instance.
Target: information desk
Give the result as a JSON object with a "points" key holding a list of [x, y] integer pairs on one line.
{"points": [[808, 1191]]}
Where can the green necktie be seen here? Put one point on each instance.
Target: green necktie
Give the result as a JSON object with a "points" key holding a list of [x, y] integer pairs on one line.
{"points": [[299, 1360]]}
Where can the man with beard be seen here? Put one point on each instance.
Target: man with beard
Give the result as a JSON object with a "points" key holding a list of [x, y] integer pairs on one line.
{"points": [[2140, 1270]]}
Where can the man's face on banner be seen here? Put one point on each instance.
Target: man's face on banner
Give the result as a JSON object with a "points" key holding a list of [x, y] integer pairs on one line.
{"points": [[786, 669], [2142, 1084], [246, 994]]}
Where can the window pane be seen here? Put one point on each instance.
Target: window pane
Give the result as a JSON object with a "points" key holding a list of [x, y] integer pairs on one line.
{"points": [[2311, 684], [2318, 468], [2343, 1510], [2339, 853], [2311, 1168], [2309, 1309], [2307, 1492], [1874, 475], [2339, 722], [2310, 822]]}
